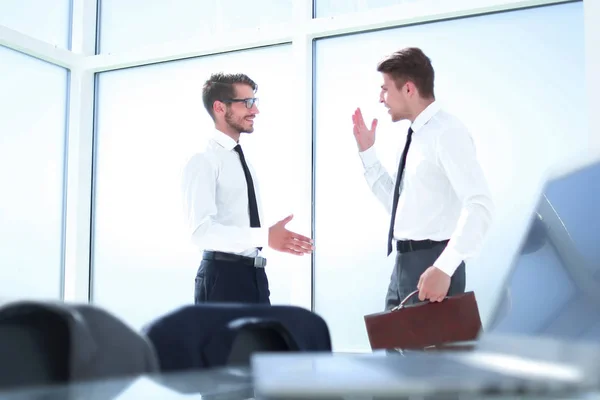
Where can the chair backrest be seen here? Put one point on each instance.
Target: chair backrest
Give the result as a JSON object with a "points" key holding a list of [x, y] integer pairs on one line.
{"points": [[219, 334], [253, 335], [117, 351], [56, 343], [33, 350]]}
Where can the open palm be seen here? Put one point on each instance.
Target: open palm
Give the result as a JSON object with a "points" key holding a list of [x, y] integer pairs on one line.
{"points": [[365, 137]]}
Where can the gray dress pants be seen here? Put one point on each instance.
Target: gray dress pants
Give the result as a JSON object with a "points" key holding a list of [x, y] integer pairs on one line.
{"points": [[408, 269]]}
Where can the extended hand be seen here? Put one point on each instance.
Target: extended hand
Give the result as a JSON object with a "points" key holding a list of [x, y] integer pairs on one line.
{"points": [[365, 137], [281, 239], [433, 285]]}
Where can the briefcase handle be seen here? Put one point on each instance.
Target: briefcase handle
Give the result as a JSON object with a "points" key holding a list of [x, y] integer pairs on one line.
{"points": [[401, 305], [411, 294]]}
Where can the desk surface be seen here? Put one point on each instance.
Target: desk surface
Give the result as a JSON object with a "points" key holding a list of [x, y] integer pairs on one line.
{"points": [[221, 384], [239, 383]]}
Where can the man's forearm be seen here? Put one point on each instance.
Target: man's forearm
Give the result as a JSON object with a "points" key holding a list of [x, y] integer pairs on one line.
{"points": [[378, 179], [468, 236], [212, 235]]}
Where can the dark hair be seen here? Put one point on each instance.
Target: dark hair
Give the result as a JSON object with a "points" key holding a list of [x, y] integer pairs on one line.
{"points": [[220, 87], [410, 64]]}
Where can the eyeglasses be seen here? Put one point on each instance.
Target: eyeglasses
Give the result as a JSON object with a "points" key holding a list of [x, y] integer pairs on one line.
{"points": [[248, 102]]}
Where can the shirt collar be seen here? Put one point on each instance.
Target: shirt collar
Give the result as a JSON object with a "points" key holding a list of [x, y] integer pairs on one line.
{"points": [[223, 140], [425, 116]]}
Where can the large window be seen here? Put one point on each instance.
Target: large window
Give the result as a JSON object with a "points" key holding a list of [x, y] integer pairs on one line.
{"points": [[123, 27], [32, 144], [47, 20], [150, 121], [507, 83]]}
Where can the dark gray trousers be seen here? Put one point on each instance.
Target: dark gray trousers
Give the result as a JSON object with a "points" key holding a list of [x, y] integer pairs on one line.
{"points": [[227, 281], [408, 269]]}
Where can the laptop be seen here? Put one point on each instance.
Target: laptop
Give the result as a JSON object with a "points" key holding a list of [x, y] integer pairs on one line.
{"points": [[542, 339]]}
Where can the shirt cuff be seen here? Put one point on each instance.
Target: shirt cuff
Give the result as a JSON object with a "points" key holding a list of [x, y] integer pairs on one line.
{"points": [[448, 261], [260, 237], [368, 157]]}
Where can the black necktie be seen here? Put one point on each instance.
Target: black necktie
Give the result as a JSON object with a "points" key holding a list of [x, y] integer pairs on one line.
{"points": [[397, 188], [252, 205]]}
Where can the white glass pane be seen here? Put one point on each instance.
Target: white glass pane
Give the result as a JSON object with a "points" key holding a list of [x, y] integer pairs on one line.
{"points": [[150, 121], [47, 20], [332, 8], [33, 103], [507, 83], [329, 8], [123, 26]]}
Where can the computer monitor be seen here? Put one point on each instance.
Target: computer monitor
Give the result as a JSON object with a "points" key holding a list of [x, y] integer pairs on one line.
{"points": [[553, 289]]}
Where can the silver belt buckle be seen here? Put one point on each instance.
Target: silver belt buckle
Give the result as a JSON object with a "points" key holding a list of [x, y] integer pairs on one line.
{"points": [[260, 262]]}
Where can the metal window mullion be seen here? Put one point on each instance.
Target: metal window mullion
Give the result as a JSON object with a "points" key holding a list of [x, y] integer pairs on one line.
{"points": [[77, 236]]}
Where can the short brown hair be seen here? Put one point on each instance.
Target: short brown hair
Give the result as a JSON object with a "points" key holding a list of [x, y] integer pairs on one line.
{"points": [[410, 64], [220, 87]]}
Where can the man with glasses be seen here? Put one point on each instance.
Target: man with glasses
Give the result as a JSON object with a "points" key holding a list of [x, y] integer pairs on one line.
{"points": [[222, 204]]}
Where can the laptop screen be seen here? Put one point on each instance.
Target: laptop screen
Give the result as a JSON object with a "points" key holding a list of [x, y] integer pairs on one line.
{"points": [[554, 288]]}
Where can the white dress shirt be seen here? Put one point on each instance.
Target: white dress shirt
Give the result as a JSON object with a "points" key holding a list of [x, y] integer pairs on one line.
{"points": [[443, 193], [215, 196]]}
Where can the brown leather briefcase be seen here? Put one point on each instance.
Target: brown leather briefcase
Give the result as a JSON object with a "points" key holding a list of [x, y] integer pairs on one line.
{"points": [[425, 325]]}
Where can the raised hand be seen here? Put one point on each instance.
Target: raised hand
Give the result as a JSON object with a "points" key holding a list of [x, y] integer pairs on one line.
{"points": [[365, 137], [282, 239]]}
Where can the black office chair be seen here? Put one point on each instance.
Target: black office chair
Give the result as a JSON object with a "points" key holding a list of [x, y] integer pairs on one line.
{"points": [[253, 335], [45, 343], [239, 339], [224, 334], [33, 349]]}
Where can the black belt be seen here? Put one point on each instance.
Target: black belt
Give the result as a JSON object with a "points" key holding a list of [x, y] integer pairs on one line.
{"points": [[256, 262], [405, 246]]}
